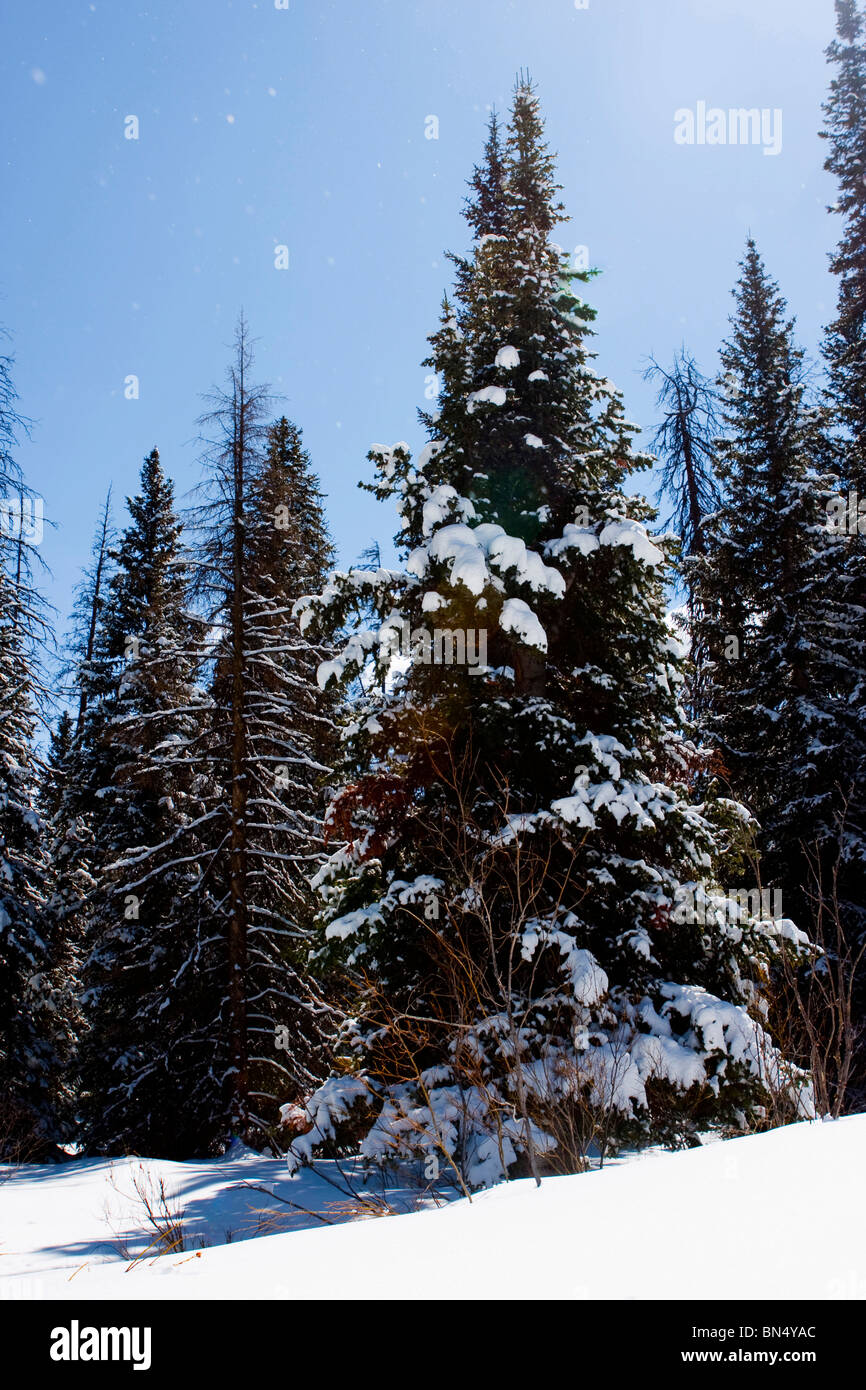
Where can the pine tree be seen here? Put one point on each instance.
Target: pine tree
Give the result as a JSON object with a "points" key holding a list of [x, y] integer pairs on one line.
{"points": [[35, 1012], [261, 539], [59, 752], [12, 424], [77, 769], [290, 732], [518, 833], [845, 346], [485, 208], [237, 424], [845, 351], [152, 973], [90, 679], [780, 629], [32, 1040]]}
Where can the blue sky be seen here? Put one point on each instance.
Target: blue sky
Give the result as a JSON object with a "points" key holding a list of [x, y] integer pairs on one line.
{"points": [[305, 127]]}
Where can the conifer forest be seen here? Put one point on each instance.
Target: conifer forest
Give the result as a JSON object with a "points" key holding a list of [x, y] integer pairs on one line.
{"points": [[517, 840]]}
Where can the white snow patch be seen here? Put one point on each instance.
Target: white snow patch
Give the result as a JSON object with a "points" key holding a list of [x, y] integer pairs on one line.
{"points": [[490, 395], [633, 534], [54, 1224], [517, 617], [508, 357]]}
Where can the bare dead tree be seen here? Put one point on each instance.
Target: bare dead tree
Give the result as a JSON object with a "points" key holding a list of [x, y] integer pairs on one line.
{"points": [[685, 442]]}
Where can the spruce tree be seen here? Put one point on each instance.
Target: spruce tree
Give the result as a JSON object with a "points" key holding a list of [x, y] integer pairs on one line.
{"points": [[845, 112], [261, 541], [36, 1011], [290, 744], [90, 679], [59, 752], [151, 974], [781, 630], [845, 351], [845, 356], [77, 769], [34, 1041], [517, 831]]}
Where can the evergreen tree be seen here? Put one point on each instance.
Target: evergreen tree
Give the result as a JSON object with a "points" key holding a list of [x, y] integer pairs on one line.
{"points": [[77, 769], [485, 209], [517, 831], [290, 739], [783, 636], [152, 973], [33, 1038], [89, 678], [35, 1011], [845, 350], [262, 537], [59, 752], [845, 346], [12, 424]]}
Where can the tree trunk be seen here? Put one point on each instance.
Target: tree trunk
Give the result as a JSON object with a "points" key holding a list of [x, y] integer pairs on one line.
{"points": [[237, 931]]}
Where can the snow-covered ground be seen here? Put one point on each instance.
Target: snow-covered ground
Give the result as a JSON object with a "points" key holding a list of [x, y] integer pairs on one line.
{"points": [[776, 1215]]}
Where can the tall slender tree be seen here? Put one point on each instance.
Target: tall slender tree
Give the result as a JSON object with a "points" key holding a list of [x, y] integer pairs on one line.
{"points": [[261, 536], [89, 680], [685, 441], [845, 343], [518, 830], [78, 769], [781, 630], [36, 1028], [845, 352], [290, 740], [151, 974], [236, 425]]}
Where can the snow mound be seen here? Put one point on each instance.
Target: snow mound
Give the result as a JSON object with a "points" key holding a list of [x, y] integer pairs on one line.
{"points": [[490, 395], [718, 1222]]}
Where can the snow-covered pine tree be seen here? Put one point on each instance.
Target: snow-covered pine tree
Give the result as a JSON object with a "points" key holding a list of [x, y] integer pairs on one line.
{"points": [[35, 1013], [76, 771], [291, 742], [59, 752], [517, 833], [262, 536], [36, 1010], [845, 352], [845, 112], [153, 975], [777, 623], [68, 886]]}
